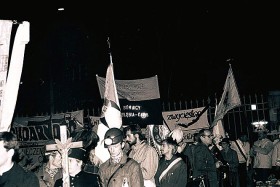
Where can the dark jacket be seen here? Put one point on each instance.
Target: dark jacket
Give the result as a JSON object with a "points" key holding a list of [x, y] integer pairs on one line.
{"points": [[176, 176], [18, 177], [205, 164], [130, 172], [82, 179]]}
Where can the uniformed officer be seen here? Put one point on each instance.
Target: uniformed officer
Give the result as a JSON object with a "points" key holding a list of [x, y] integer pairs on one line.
{"points": [[78, 178]]}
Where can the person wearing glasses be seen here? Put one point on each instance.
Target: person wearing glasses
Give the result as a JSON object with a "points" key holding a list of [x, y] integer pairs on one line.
{"points": [[119, 170], [205, 163]]}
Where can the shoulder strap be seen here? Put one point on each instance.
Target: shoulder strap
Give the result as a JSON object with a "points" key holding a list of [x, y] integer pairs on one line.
{"points": [[240, 150], [128, 159], [169, 167]]}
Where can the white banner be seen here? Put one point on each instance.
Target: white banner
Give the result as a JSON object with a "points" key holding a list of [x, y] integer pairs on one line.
{"points": [[14, 74], [5, 37], [172, 118]]}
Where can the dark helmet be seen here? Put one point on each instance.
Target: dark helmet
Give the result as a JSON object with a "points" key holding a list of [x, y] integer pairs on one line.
{"points": [[113, 136]]}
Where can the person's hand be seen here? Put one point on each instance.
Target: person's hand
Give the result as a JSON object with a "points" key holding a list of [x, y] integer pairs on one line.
{"points": [[218, 164], [252, 152]]}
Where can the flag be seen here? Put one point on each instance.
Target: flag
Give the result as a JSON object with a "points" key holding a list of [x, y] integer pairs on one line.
{"points": [[110, 115], [5, 36], [230, 98], [10, 91]]}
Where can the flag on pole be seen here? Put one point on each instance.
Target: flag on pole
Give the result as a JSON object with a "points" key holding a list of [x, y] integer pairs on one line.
{"points": [[218, 132], [230, 98], [110, 115]]}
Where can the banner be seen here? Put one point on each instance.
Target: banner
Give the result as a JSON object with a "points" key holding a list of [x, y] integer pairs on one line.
{"points": [[139, 100], [35, 132], [173, 118], [5, 36], [10, 91]]}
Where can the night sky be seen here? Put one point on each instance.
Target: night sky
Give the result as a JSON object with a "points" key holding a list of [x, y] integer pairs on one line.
{"points": [[189, 46]]}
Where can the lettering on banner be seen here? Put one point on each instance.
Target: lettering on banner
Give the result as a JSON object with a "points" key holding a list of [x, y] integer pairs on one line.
{"points": [[186, 115], [41, 131]]}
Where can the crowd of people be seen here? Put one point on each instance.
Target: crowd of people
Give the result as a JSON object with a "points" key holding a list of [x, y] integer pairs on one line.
{"points": [[133, 162]]}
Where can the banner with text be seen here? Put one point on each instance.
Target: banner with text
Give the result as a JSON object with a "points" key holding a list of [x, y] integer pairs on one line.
{"points": [[34, 133], [139, 100], [173, 118]]}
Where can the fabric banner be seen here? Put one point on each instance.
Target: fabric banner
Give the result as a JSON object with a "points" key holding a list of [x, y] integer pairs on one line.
{"points": [[10, 92], [35, 132], [44, 128], [139, 100], [5, 37], [133, 90], [173, 118]]}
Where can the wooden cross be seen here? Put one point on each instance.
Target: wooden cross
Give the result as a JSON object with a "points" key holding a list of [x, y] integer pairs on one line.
{"points": [[63, 147]]}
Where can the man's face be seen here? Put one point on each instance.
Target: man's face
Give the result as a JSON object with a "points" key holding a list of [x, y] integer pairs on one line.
{"points": [[115, 150], [164, 149], [224, 145], [56, 159], [261, 135], [5, 156], [75, 166], [130, 138], [243, 138], [207, 137]]}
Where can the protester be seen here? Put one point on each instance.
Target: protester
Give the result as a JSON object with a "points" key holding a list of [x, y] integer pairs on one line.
{"points": [[12, 174], [77, 176], [242, 148], [215, 148], [172, 170], [230, 157], [51, 169], [205, 163], [119, 170], [276, 157], [189, 152], [262, 151], [143, 153]]}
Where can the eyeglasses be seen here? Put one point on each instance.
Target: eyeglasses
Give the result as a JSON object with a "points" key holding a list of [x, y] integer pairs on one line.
{"points": [[209, 136]]}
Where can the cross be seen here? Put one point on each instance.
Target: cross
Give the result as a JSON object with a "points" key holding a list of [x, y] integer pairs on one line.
{"points": [[63, 147]]}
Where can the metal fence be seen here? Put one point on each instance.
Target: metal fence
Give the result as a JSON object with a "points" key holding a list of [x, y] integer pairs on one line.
{"points": [[236, 121]]}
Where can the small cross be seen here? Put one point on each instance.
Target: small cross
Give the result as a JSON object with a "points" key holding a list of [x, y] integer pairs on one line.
{"points": [[63, 147]]}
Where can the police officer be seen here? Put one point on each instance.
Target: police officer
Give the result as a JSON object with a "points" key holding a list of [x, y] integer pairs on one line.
{"points": [[78, 178], [118, 170]]}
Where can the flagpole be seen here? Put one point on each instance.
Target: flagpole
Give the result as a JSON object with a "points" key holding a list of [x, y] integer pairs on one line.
{"points": [[109, 48], [230, 98]]}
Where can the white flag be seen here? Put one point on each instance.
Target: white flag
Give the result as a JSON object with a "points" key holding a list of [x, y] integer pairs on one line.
{"points": [[14, 74], [230, 98], [110, 115]]}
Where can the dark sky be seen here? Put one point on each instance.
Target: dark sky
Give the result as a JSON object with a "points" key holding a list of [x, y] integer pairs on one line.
{"points": [[189, 46]]}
